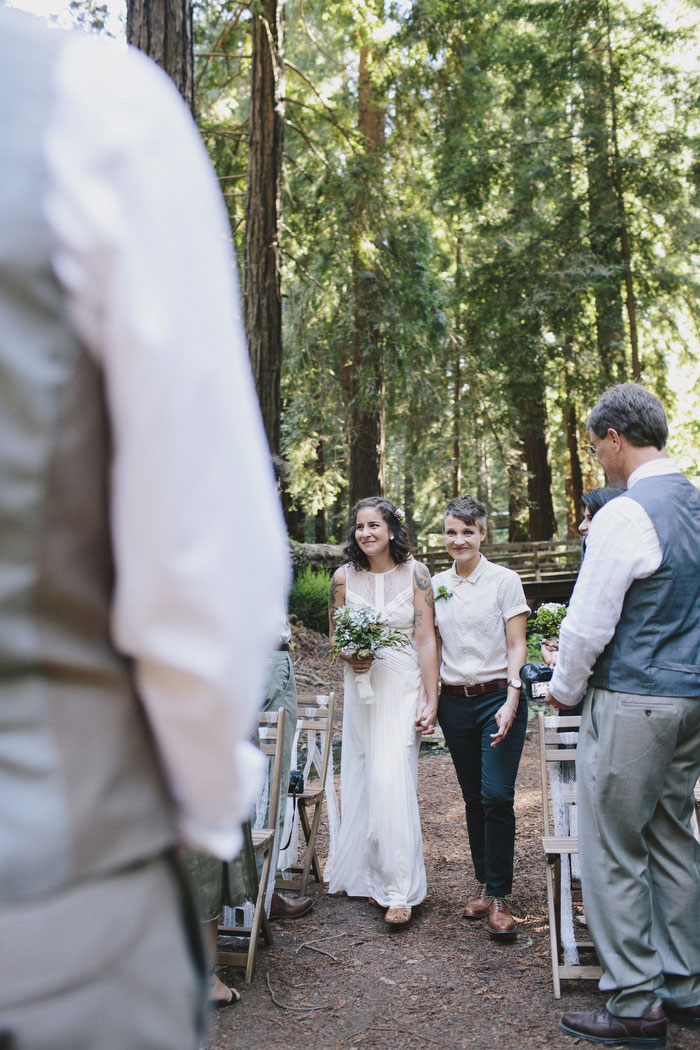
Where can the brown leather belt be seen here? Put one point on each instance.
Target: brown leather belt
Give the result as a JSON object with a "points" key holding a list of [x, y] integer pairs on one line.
{"points": [[475, 690], [283, 647]]}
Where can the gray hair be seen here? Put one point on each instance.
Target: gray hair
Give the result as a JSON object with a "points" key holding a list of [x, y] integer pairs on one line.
{"points": [[634, 412]]}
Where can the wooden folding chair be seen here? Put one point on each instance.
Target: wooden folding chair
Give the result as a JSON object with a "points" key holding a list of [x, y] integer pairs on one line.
{"points": [[558, 737], [315, 728], [271, 734]]}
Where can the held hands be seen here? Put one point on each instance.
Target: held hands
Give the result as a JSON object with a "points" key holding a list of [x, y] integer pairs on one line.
{"points": [[550, 651], [426, 712]]}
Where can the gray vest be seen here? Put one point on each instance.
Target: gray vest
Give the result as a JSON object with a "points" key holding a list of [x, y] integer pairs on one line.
{"points": [[655, 650], [81, 791]]}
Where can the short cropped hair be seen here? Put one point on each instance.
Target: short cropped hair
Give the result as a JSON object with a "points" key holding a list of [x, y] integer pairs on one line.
{"points": [[634, 412], [469, 510], [398, 547]]}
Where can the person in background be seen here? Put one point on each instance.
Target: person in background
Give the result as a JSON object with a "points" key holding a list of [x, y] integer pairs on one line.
{"points": [[480, 613], [631, 643], [593, 500], [135, 627]]}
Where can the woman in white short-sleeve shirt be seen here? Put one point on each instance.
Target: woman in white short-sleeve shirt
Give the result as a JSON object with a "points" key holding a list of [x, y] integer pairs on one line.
{"points": [[480, 614]]}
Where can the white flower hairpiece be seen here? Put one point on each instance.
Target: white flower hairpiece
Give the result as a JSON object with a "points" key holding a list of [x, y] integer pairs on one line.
{"points": [[400, 514]]}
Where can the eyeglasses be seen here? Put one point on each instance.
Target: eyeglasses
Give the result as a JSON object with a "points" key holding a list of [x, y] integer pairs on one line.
{"points": [[591, 450]]}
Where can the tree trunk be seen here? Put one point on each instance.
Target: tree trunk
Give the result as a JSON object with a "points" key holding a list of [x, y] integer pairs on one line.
{"points": [[622, 212], [604, 220], [517, 503], [162, 29], [575, 486], [533, 418], [262, 294], [321, 521], [363, 377]]}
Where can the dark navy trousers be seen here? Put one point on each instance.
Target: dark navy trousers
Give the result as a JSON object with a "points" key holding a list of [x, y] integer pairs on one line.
{"points": [[487, 778]]}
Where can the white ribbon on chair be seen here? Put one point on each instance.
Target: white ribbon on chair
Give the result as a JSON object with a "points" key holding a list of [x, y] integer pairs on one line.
{"points": [[561, 777]]}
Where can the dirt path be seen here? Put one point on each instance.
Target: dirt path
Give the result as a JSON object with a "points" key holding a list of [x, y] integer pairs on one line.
{"points": [[440, 982]]}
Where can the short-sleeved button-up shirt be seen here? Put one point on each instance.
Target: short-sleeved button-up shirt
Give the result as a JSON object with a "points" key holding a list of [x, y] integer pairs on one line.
{"points": [[472, 622]]}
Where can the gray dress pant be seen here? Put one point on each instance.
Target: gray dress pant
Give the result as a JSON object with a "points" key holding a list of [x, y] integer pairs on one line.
{"points": [[637, 763], [112, 963]]}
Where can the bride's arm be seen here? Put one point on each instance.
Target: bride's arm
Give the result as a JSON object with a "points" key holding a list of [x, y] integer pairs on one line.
{"points": [[424, 622]]}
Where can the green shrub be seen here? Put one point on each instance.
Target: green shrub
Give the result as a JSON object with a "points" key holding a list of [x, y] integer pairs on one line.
{"points": [[308, 600]]}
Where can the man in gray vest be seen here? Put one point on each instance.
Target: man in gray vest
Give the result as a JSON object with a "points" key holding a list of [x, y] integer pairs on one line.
{"points": [[135, 622], [631, 641]]}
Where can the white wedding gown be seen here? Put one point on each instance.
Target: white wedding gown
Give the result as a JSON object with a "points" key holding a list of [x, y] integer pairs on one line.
{"points": [[380, 847]]}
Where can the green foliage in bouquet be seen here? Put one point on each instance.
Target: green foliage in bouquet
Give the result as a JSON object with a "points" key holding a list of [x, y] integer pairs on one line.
{"points": [[362, 632], [548, 619]]}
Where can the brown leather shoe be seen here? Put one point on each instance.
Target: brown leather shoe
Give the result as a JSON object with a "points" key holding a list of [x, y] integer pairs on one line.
{"points": [[283, 907], [501, 922], [686, 1016], [601, 1026], [477, 906]]}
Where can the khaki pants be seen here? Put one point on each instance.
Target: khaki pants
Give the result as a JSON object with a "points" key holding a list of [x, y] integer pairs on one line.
{"points": [[637, 763], [113, 963]]}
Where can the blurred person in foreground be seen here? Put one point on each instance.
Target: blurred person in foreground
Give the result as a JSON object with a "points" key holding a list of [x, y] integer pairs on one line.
{"points": [[631, 643], [134, 628]]}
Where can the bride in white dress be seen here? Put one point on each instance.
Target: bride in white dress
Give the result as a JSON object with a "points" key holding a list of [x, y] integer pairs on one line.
{"points": [[380, 848]]}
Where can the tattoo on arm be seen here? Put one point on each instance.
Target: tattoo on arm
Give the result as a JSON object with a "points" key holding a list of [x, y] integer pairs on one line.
{"points": [[417, 618], [331, 597], [422, 578]]}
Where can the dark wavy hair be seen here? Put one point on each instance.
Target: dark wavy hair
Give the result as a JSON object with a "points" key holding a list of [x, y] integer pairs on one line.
{"points": [[594, 499], [398, 547]]}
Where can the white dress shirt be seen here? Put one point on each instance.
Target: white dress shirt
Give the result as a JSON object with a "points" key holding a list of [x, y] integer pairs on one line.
{"points": [[622, 546], [472, 621], [143, 252]]}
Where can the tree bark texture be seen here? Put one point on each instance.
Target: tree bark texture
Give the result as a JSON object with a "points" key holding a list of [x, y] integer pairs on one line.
{"points": [[533, 429], [262, 292], [363, 377], [604, 220], [162, 29], [625, 249], [575, 485]]}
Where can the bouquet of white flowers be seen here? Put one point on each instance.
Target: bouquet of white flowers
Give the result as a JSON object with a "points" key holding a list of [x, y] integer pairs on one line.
{"points": [[361, 631]]}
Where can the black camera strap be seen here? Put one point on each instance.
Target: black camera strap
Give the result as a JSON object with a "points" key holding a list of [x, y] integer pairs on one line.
{"points": [[295, 792]]}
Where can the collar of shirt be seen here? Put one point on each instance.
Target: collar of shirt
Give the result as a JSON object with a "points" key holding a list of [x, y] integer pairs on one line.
{"points": [[474, 576], [653, 468]]}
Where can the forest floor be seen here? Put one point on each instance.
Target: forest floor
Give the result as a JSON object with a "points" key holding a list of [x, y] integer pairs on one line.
{"points": [[439, 982]]}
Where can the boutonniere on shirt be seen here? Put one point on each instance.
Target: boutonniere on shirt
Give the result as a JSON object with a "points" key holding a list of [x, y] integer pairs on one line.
{"points": [[442, 592]]}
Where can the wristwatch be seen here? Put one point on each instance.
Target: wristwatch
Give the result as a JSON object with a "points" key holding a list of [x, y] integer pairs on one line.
{"points": [[515, 682]]}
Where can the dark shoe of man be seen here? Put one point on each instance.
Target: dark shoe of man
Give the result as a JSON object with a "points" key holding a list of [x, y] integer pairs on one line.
{"points": [[686, 1016], [477, 906], [600, 1026], [283, 907], [501, 922]]}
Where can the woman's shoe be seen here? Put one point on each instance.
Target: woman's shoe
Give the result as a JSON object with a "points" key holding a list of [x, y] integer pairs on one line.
{"points": [[397, 916], [221, 994]]}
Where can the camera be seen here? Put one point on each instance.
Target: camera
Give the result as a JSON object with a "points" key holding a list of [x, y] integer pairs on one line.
{"points": [[296, 782], [535, 677]]}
